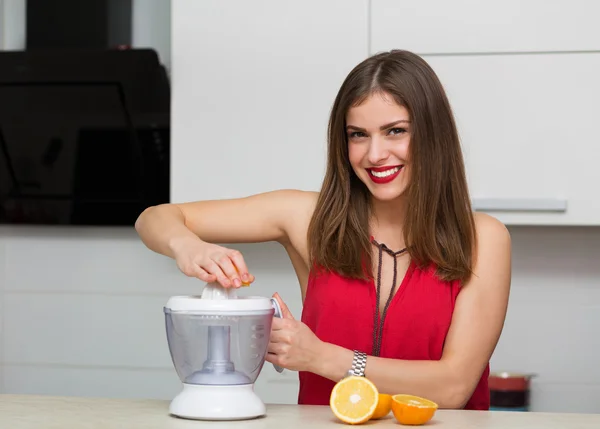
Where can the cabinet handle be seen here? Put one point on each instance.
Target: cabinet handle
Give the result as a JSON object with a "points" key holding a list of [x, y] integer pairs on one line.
{"points": [[520, 204]]}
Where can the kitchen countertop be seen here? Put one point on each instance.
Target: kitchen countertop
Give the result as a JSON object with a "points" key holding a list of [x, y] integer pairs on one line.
{"points": [[49, 412]]}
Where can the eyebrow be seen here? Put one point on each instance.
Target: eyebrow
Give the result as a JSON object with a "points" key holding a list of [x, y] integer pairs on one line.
{"points": [[383, 127]]}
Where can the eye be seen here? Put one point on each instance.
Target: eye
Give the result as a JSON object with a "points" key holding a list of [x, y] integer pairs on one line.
{"points": [[397, 131], [356, 134]]}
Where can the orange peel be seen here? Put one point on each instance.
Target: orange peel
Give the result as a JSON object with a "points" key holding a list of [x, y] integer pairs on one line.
{"points": [[412, 410]]}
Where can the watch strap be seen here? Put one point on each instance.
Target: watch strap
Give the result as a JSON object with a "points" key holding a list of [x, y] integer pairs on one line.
{"points": [[359, 363]]}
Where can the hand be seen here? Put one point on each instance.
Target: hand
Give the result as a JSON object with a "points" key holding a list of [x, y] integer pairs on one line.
{"points": [[210, 263], [292, 344]]}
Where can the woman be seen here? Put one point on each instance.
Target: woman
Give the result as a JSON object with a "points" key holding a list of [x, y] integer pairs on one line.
{"points": [[400, 281]]}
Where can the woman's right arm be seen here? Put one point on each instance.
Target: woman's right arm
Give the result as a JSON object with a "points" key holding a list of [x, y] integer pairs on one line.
{"points": [[189, 232]]}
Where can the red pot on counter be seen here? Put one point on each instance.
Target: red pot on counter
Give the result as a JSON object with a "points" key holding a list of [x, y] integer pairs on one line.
{"points": [[509, 391]]}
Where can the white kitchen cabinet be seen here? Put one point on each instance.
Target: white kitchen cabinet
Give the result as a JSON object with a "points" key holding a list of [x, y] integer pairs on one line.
{"points": [[528, 125], [522, 78], [253, 85], [475, 26]]}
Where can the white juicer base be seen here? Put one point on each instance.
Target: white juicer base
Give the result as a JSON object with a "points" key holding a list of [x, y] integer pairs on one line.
{"points": [[206, 402]]}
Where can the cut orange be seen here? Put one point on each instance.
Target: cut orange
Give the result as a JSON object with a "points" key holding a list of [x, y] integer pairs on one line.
{"points": [[412, 410], [384, 406], [244, 284], [354, 400]]}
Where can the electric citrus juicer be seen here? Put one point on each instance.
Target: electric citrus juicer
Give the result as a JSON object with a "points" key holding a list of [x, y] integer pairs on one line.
{"points": [[218, 343]]}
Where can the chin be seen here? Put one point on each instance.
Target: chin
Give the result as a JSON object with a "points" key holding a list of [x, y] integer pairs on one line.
{"points": [[389, 194], [387, 197]]}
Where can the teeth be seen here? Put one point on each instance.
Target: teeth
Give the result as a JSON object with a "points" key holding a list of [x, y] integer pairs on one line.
{"points": [[386, 172]]}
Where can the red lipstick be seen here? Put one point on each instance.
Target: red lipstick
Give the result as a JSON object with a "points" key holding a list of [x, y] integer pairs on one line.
{"points": [[382, 175]]}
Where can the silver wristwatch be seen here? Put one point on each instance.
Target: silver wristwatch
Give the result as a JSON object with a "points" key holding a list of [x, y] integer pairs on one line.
{"points": [[359, 363]]}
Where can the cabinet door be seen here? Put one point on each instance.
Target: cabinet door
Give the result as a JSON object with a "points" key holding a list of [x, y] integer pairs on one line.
{"points": [[529, 127], [253, 85], [470, 26]]}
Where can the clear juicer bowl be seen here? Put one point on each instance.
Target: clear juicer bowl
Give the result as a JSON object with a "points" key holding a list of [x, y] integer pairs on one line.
{"points": [[219, 342]]}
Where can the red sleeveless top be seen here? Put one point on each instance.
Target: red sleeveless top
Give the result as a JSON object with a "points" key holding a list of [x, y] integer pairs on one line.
{"points": [[343, 311]]}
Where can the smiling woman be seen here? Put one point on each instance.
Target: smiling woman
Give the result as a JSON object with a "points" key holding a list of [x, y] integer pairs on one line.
{"points": [[401, 282]]}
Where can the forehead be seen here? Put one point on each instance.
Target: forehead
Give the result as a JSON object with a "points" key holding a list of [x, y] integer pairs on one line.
{"points": [[377, 109]]}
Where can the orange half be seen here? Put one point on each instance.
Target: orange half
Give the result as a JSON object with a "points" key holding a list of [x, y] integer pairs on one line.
{"points": [[354, 400], [384, 406], [413, 410]]}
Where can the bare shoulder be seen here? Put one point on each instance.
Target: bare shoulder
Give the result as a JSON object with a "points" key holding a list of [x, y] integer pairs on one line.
{"points": [[489, 229], [493, 256]]}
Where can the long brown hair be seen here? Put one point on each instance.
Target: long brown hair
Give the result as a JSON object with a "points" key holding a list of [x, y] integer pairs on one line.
{"points": [[439, 226]]}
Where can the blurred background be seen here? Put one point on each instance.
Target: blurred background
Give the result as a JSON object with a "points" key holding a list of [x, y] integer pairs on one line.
{"points": [[107, 107]]}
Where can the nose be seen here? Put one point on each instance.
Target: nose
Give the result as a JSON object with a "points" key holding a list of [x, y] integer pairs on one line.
{"points": [[378, 151]]}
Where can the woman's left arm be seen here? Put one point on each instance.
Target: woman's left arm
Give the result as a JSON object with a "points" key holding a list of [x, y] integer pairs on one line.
{"points": [[476, 326]]}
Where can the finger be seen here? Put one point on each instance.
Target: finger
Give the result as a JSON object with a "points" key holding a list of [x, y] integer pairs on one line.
{"points": [[277, 348], [240, 266], [281, 337], [285, 311], [203, 275], [278, 336], [213, 268], [229, 270], [282, 325]]}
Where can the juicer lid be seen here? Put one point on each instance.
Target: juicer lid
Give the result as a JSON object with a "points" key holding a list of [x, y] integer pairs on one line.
{"points": [[195, 303]]}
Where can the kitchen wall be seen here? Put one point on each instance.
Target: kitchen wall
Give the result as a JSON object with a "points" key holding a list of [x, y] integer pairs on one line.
{"points": [[81, 312]]}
